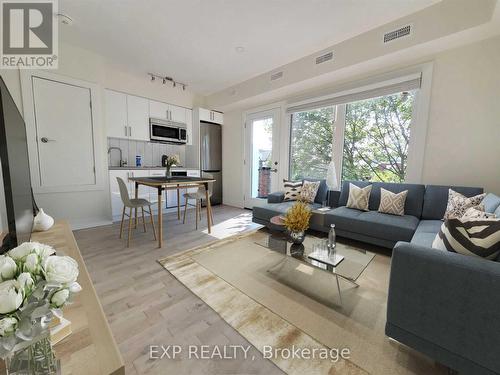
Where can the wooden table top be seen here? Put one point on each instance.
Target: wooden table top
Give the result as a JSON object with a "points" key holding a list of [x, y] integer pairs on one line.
{"points": [[180, 181], [91, 347]]}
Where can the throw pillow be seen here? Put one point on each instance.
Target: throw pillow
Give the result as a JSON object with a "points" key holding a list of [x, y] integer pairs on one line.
{"points": [[491, 202], [477, 212], [458, 204], [475, 237], [359, 197], [309, 191], [392, 203], [292, 190]]}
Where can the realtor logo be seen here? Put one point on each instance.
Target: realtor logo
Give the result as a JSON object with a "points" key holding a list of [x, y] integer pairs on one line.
{"points": [[29, 34]]}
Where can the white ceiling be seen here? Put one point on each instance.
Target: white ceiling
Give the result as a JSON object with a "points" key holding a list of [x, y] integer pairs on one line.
{"points": [[194, 41]]}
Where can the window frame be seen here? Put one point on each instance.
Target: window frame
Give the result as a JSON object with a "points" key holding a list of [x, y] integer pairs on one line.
{"points": [[420, 114]]}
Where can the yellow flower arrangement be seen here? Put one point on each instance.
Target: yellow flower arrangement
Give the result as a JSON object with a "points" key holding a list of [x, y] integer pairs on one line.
{"points": [[297, 217]]}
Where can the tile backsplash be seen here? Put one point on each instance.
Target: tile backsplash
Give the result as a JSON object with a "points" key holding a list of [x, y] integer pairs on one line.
{"points": [[150, 152]]}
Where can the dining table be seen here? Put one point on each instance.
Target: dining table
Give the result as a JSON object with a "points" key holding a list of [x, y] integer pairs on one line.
{"points": [[173, 183]]}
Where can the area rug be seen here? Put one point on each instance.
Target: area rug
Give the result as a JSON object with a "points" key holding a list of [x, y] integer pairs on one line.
{"points": [[298, 306]]}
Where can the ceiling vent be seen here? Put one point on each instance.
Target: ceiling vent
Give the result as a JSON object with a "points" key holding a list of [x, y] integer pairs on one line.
{"points": [[396, 34], [324, 58], [276, 76]]}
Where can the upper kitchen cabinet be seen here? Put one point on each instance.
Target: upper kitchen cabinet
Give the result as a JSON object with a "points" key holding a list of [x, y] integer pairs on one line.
{"points": [[138, 117], [158, 110], [189, 126], [127, 116], [211, 116], [116, 114], [168, 112]]}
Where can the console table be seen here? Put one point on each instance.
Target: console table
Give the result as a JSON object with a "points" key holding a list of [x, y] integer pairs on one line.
{"points": [[91, 348]]}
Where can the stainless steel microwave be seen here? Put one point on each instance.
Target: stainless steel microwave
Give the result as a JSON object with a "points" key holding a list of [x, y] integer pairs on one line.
{"points": [[167, 131]]}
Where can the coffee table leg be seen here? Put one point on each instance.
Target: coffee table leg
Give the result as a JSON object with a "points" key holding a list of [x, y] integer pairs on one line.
{"points": [[338, 288]]}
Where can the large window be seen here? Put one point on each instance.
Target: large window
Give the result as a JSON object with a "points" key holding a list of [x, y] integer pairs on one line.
{"points": [[311, 140], [376, 139]]}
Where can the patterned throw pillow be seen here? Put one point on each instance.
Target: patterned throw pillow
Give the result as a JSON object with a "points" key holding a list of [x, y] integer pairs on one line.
{"points": [[292, 190], [309, 191], [359, 197], [475, 237], [392, 203], [458, 204], [477, 212]]}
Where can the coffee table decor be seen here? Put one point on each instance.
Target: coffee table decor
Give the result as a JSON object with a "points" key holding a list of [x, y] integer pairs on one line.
{"points": [[297, 221]]}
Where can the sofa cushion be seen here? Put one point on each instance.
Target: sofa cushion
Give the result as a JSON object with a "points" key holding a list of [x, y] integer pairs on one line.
{"points": [[373, 224], [414, 199], [436, 199], [426, 232], [392, 203], [458, 204], [292, 190], [359, 197], [268, 210], [309, 191], [429, 226], [491, 202], [423, 238], [344, 194]]}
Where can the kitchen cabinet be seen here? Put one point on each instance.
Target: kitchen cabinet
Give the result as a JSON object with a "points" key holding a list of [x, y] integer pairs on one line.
{"points": [[127, 116], [116, 201], [211, 116], [116, 114], [189, 127], [167, 112], [138, 117]]}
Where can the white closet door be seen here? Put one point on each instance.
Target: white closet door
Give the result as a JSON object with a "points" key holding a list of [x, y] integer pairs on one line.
{"points": [[63, 117]]}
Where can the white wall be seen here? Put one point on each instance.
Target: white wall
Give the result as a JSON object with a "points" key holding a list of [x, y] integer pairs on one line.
{"points": [[93, 207], [463, 134]]}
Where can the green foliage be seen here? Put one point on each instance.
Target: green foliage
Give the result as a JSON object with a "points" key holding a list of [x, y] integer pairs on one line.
{"points": [[311, 143], [376, 139]]}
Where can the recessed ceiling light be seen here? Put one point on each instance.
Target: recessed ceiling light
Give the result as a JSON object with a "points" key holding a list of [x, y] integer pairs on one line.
{"points": [[65, 19], [240, 49]]}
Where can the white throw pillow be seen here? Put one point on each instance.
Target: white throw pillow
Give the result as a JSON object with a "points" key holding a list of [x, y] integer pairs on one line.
{"points": [[292, 190], [458, 204], [309, 191], [474, 237], [392, 203], [359, 197]]}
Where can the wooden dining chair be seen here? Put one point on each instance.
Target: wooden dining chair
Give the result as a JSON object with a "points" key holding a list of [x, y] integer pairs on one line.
{"points": [[198, 196], [131, 204]]}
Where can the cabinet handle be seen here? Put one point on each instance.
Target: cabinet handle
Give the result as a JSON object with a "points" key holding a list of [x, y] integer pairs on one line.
{"points": [[130, 131], [125, 126]]}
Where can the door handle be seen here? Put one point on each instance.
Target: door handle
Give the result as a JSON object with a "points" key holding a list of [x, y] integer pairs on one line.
{"points": [[46, 140], [274, 170], [125, 126]]}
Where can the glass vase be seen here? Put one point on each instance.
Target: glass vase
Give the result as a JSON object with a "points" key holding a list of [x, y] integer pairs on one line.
{"points": [[37, 358], [168, 173]]}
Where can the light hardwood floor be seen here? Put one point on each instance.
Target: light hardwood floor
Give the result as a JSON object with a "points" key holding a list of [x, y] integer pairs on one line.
{"points": [[145, 305]]}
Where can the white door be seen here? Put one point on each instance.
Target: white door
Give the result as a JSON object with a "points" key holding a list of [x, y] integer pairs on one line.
{"points": [[158, 110], [65, 139], [138, 117], [116, 114], [261, 156], [177, 114]]}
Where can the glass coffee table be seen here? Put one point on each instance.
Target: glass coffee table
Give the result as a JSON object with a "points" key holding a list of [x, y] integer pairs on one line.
{"points": [[347, 262]]}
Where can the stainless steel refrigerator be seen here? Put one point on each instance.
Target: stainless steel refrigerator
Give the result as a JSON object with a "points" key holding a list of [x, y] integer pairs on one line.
{"points": [[211, 157]]}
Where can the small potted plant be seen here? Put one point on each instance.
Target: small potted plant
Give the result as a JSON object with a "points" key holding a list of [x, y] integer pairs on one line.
{"points": [[171, 161], [296, 221]]}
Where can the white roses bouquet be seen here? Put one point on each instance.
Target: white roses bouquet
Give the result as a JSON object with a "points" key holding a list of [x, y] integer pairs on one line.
{"points": [[35, 284]]}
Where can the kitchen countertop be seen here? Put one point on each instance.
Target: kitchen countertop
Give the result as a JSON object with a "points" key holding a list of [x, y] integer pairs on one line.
{"points": [[111, 168]]}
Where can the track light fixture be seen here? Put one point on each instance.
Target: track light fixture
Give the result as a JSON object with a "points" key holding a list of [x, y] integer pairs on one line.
{"points": [[165, 79]]}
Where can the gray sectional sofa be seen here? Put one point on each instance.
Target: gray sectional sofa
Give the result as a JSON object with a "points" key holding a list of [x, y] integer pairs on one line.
{"points": [[424, 209], [440, 303]]}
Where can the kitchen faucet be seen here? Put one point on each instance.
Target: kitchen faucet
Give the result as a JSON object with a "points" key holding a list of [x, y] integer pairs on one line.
{"points": [[122, 162]]}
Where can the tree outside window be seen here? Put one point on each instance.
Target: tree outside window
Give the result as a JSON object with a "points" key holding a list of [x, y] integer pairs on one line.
{"points": [[376, 140]]}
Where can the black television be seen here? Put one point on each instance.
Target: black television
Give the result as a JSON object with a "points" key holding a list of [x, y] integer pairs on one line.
{"points": [[19, 202]]}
